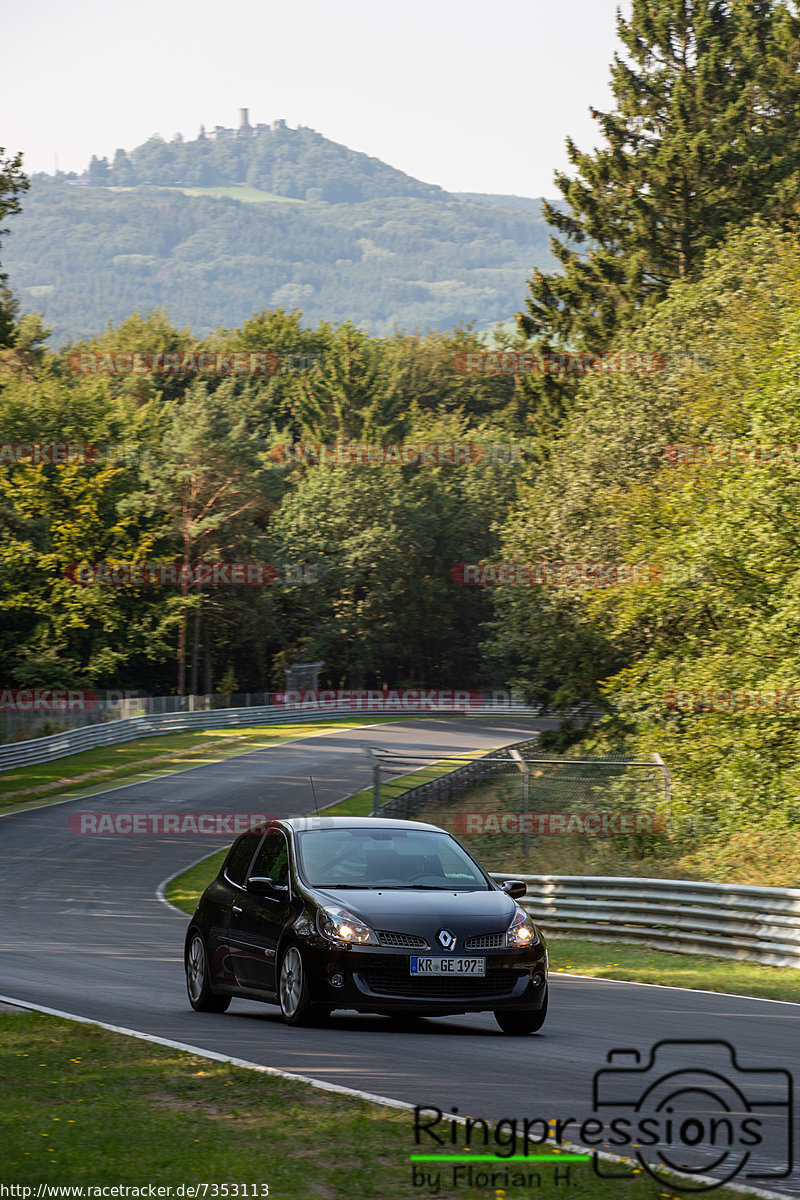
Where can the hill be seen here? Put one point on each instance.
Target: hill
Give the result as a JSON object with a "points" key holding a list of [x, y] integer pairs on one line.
{"points": [[215, 230], [299, 163]]}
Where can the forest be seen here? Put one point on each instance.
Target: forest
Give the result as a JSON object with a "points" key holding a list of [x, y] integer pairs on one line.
{"points": [[333, 233], [677, 245]]}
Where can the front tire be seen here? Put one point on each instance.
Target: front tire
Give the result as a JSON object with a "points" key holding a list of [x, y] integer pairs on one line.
{"points": [[293, 989], [201, 997], [519, 1022]]}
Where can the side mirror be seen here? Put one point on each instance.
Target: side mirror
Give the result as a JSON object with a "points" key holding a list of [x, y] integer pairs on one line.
{"points": [[515, 888], [262, 885]]}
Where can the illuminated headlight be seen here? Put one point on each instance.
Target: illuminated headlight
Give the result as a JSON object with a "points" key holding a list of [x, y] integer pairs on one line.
{"points": [[521, 931], [341, 926]]}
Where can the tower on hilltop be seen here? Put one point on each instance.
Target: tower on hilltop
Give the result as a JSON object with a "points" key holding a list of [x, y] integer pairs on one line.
{"points": [[243, 130]]}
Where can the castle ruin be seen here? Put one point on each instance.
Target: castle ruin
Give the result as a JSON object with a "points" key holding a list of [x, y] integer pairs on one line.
{"points": [[245, 129]]}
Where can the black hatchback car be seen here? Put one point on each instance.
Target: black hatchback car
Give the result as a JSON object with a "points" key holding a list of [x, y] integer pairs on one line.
{"points": [[372, 914]]}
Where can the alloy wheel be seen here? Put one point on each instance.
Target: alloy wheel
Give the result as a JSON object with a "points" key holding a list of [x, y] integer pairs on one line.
{"points": [[291, 986], [196, 968]]}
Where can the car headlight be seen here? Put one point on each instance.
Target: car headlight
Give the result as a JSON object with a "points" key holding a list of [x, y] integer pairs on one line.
{"points": [[341, 926], [521, 932]]}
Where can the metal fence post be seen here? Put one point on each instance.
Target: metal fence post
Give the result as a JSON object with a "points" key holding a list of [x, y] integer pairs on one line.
{"points": [[667, 782], [526, 793], [376, 780]]}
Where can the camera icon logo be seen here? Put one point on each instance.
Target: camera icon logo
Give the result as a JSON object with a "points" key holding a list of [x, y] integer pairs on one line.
{"points": [[692, 1109]]}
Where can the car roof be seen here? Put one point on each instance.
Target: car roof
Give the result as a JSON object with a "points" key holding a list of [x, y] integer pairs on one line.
{"points": [[305, 824]]}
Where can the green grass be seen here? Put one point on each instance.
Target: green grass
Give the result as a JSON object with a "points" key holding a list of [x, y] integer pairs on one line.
{"points": [[186, 890], [618, 960], [149, 758], [86, 1107], [247, 194]]}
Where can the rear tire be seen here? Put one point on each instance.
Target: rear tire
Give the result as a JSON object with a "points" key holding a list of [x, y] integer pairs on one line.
{"points": [[201, 997], [519, 1022]]}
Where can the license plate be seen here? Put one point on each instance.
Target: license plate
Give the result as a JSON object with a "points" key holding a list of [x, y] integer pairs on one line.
{"points": [[448, 966]]}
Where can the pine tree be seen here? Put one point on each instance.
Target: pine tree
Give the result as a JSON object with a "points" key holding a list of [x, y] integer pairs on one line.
{"points": [[703, 137]]}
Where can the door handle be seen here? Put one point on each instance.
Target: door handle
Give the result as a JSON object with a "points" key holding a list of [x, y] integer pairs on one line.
{"points": [[236, 908]]}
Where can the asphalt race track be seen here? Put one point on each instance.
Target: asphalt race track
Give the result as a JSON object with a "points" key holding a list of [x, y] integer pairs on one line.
{"points": [[82, 930]]}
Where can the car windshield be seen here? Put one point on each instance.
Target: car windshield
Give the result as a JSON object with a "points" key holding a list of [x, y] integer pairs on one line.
{"points": [[390, 858]]}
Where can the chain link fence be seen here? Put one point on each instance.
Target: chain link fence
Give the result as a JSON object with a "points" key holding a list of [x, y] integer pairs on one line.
{"points": [[515, 802]]}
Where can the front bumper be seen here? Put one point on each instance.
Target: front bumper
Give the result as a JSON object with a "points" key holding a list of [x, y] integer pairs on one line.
{"points": [[375, 979]]}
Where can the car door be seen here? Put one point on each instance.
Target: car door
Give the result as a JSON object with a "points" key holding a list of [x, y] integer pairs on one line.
{"points": [[258, 917], [220, 899]]}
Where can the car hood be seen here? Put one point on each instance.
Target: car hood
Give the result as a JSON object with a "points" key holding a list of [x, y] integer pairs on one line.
{"points": [[425, 912]]}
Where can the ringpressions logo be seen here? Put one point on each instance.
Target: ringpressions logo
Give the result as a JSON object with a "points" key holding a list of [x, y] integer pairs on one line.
{"points": [[685, 1111]]}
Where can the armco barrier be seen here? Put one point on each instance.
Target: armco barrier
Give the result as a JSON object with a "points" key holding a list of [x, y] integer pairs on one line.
{"points": [[724, 920], [71, 741]]}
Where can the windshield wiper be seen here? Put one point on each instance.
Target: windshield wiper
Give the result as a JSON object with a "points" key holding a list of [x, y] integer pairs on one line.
{"points": [[361, 887], [424, 887]]}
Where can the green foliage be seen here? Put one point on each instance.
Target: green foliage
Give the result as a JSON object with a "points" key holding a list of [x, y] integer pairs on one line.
{"points": [[384, 609], [354, 394], [84, 256], [12, 183], [186, 471], [700, 141], [287, 162], [726, 615]]}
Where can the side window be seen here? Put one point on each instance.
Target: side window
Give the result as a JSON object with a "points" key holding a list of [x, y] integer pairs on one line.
{"points": [[239, 856], [272, 860]]}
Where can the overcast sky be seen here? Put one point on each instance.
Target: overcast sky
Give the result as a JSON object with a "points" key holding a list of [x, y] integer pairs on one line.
{"points": [[472, 95]]}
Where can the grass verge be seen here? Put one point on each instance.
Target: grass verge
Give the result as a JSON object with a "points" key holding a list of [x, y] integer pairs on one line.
{"points": [[86, 1107], [618, 960], [147, 758], [185, 890]]}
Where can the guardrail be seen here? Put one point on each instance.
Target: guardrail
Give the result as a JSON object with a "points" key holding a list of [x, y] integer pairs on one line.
{"points": [[71, 741], [723, 920]]}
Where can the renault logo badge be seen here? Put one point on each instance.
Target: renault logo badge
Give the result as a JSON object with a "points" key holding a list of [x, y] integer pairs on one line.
{"points": [[446, 938]]}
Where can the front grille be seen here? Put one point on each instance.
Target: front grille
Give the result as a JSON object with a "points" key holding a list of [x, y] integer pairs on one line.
{"points": [[409, 941], [400, 983], [487, 941]]}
